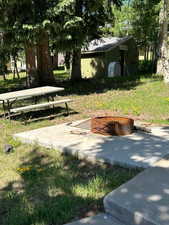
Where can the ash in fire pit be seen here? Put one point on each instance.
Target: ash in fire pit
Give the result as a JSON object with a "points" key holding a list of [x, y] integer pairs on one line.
{"points": [[110, 125]]}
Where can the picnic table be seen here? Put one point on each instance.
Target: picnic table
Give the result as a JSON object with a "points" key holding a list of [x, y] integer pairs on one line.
{"points": [[49, 92]]}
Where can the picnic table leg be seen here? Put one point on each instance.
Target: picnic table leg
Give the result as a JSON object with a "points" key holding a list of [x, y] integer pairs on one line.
{"points": [[36, 99], [48, 98], [67, 108], [52, 98], [9, 106], [4, 108]]}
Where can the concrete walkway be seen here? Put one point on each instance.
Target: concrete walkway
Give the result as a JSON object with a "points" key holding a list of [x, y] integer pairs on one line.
{"points": [[136, 150]]}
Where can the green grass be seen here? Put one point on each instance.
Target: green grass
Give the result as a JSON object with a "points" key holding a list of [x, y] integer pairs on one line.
{"points": [[144, 98], [11, 84], [61, 74], [40, 186]]}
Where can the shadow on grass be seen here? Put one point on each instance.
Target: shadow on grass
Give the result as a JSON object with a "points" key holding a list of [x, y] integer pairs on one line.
{"points": [[39, 115], [57, 190], [12, 84], [85, 86], [89, 86]]}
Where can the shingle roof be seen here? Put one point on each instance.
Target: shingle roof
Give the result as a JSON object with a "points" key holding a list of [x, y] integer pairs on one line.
{"points": [[104, 44]]}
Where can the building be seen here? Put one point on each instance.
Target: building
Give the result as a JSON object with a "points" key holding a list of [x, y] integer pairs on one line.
{"points": [[109, 57]]}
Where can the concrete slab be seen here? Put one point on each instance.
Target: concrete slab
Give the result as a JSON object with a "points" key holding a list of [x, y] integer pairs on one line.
{"points": [[101, 219], [142, 201], [135, 150]]}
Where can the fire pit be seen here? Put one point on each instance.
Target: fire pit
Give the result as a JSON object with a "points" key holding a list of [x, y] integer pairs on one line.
{"points": [[110, 125]]}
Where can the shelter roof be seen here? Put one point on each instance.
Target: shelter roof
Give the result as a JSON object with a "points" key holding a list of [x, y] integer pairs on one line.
{"points": [[104, 44]]}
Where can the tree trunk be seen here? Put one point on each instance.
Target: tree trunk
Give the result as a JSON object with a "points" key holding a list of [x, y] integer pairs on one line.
{"points": [[163, 49], [54, 61], [44, 66], [32, 77], [76, 65], [144, 53], [4, 76], [16, 67], [13, 72], [76, 56], [154, 62], [148, 50], [67, 60]]}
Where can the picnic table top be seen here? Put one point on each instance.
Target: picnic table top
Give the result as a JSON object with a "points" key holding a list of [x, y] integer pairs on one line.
{"points": [[32, 92]]}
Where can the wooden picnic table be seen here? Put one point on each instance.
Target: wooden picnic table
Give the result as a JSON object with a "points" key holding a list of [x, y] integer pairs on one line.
{"points": [[29, 93], [8, 99]]}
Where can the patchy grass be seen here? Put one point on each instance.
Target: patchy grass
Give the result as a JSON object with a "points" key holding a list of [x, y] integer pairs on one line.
{"points": [[144, 98], [11, 84], [40, 186]]}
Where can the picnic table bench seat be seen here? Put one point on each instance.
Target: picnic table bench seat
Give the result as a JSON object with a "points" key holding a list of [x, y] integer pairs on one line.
{"points": [[39, 106]]}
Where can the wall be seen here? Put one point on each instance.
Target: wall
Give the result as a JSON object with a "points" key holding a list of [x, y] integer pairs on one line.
{"points": [[93, 66], [88, 71], [96, 64]]}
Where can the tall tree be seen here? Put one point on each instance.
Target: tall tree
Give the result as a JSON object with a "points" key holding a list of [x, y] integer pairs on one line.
{"points": [[163, 49], [4, 57], [74, 22], [30, 27], [44, 65]]}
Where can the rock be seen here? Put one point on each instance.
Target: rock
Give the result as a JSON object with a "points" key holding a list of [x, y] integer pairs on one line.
{"points": [[8, 148]]}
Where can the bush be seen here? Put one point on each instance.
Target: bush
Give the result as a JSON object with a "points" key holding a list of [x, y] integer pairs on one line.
{"points": [[146, 67]]}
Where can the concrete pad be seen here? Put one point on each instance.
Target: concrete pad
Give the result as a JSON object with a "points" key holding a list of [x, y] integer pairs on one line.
{"points": [[142, 201], [135, 150], [101, 219]]}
